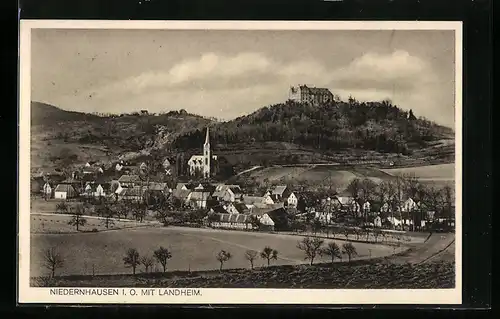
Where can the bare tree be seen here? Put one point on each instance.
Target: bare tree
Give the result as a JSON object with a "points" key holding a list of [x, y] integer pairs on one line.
{"points": [[77, 219], [269, 253], [346, 232], [349, 250], [366, 193], [223, 256], [62, 207], [251, 255], [311, 247], [162, 255], [332, 250], [53, 260], [376, 233], [147, 262], [131, 259], [354, 188]]}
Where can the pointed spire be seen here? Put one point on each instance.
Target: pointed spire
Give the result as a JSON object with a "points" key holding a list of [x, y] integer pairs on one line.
{"points": [[207, 139]]}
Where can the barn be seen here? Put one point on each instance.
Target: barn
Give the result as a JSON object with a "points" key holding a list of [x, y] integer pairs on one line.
{"points": [[65, 191]]}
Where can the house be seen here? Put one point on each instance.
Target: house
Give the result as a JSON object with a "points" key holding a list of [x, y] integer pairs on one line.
{"points": [[131, 193], [183, 186], [96, 190], [280, 193], [129, 180], [268, 199], [118, 167], [251, 200], [92, 170], [218, 195], [236, 208], [198, 199], [65, 191], [348, 204], [292, 200], [313, 95], [280, 218], [324, 217], [158, 186], [366, 207], [377, 222], [206, 187], [232, 194], [47, 190], [231, 221], [266, 222], [408, 206], [217, 209], [181, 194]]}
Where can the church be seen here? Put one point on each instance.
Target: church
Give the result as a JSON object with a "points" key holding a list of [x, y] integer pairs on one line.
{"points": [[203, 165]]}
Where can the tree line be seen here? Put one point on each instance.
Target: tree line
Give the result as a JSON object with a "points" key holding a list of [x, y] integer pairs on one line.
{"points": [[311, 247], [379, 126]]}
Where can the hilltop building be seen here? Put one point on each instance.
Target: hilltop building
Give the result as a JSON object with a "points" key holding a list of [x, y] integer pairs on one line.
{"points": [[313, 95], [203, 165]]}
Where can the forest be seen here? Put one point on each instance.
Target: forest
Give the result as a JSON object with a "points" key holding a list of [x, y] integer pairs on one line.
{"points": [[377, 126]]}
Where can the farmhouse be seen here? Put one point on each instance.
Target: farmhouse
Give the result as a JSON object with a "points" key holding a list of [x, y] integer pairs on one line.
{"points": [[129, 180], [181, 194], [65, 191], [313, 95], [96, 190], [231, 221], [198, 199], [92, 170], [236, 208], [47, 190], [131, 193]]}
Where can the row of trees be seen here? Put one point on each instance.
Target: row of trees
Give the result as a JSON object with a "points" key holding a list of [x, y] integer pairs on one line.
{"points": [[312, 248]]}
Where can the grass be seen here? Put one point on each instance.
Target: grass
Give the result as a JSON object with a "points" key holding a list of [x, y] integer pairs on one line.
{"points": [[342, 175], [361, 275], [58, 224], [193, 249], [429, 172]]}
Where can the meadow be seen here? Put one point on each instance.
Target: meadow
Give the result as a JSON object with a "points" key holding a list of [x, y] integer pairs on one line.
{"points": [[192, 249], [438, 172]]}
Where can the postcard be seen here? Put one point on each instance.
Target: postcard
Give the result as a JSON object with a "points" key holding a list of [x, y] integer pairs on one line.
{"points": [[240, 162]]}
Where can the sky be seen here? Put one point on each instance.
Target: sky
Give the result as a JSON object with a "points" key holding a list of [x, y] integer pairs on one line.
{"points": [[226, 74]]}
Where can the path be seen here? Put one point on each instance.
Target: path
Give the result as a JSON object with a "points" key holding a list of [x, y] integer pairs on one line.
{"points": [[437, 244], [248, 170]]}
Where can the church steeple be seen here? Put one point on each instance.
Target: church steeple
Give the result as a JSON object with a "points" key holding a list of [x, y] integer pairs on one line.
{"points": [[207, 138], [207, 156]]}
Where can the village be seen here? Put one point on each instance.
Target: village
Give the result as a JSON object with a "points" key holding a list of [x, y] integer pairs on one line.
{"points": [[124, 189]]}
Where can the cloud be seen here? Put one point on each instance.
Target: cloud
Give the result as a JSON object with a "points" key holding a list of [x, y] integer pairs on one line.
{"points": [[228, 86]]}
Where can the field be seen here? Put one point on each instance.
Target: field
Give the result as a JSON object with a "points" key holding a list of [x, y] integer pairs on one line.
{"points": [[366, 275], [439, 172], [341, 176], [58, 224], [192, 249]]}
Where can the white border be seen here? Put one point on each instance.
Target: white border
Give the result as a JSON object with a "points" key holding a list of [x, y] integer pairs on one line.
{"points": [[27, 294]]}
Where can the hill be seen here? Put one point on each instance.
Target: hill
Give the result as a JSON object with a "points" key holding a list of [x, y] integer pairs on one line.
{"points": [[61, 138], [288, 133], [335, 132]]}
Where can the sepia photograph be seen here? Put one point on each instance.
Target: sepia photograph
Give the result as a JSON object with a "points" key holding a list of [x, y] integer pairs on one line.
{"points": [[240, 162]]}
